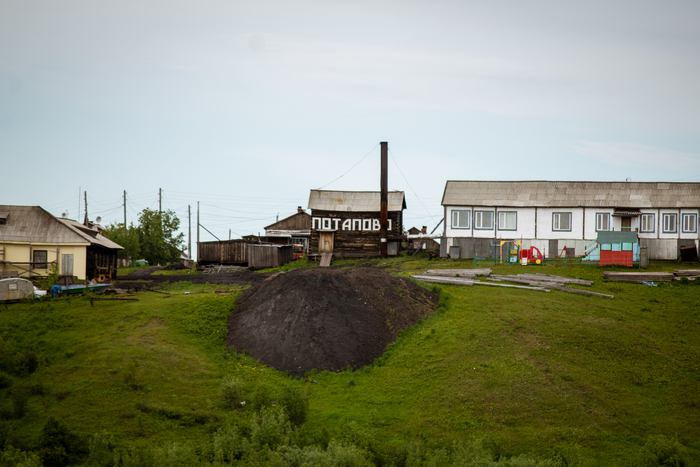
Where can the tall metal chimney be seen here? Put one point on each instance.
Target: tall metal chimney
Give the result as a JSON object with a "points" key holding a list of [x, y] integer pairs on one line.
{"points": [[384, 210]]}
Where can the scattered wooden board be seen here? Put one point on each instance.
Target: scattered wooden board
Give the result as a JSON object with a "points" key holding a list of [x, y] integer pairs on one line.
{"points": [[687, 273], [461, 272], [637, 276]]}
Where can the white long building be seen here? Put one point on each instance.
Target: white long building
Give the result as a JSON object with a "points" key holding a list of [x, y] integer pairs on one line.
{"points": [[553, 215]]}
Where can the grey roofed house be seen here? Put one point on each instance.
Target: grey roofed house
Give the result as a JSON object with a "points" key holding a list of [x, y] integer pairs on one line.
{"points": [[354, 201], [31, 239], [557, 215], [34, 224], [571, 194]]}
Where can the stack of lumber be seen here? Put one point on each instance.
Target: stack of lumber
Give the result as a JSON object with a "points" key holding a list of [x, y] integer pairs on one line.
{"points": [[543, 282], [637, 276], [467, 281], [473, 273], [549, 282], [689, 273]]}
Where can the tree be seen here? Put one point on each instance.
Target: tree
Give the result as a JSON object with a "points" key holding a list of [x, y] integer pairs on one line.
{"points": [[157, 238], [128, 238]]}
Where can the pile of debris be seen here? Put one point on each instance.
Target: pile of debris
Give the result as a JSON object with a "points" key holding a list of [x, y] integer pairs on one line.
{"points": [[326, 319], [543, 282]]}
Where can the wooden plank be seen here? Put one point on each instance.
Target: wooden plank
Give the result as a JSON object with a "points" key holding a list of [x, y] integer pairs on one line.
{"points": [[461, 272], [581, 292], [638, 276], [443, 280], [326, 259], [687, 272], [553, 278], [542, 289]]}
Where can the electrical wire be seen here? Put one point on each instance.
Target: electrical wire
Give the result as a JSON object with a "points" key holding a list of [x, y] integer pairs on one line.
{"points": [[358, 162], [409, 185]]}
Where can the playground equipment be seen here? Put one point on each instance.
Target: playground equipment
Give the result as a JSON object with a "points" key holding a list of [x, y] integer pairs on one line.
{"points": [[531, 255]]}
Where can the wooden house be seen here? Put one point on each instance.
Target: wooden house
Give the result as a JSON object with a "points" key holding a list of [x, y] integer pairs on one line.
{"points": [[295, 229], [422, 243], [32, 242], [346, 223], [552, 216]]}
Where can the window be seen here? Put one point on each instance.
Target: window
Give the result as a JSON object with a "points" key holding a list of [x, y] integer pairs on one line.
{"points": [[483, 220], [690, 223], [602, 221], [507, 220], [561, 221], [648, 223], [40, 259], [669, 223], [460, 219]]}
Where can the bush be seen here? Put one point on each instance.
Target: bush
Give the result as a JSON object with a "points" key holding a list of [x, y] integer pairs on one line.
{"points": [[17, 458], [270, 428], [660, 450], [296, 403], [231, 391], [59, 446], [5, 380], [20, 398]]}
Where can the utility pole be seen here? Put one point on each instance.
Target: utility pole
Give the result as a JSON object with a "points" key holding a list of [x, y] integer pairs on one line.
{"points": [[85, 222], [124, 210], [197, 230], [189, 232], [229, 234], [383, 208], [160, 200]]}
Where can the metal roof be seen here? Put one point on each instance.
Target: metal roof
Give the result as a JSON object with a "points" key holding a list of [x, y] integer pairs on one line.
{"points": [[34, 224], [355, 201], [572, 194], [93, 236]]}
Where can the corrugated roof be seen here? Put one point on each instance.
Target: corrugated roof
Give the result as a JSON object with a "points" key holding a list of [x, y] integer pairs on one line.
{"points": [[572, 194], [34, 224], [354, 201], [93, 236]]}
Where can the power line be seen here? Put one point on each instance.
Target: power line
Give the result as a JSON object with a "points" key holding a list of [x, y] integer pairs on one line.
{"points": [[409, 185], [358, 162]]}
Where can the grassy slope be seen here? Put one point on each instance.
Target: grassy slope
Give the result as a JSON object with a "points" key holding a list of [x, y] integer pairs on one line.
{"points": [[586, 377]]}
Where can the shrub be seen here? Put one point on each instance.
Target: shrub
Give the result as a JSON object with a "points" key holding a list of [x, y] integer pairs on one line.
{"points": [[295, 403], [26, 362], [270, 428], [229, 444], [231, 391], [17, 458], [20, 398], [59, 446], [5, 380], [101, 450], [660, 450]]}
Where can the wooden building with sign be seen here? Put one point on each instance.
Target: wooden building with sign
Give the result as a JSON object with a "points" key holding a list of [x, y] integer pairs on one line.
{"points": [[346, 223]]}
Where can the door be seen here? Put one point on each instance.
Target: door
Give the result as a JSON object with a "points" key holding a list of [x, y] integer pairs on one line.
{"points": [[626, 224], [66, 265], [325, 242]]}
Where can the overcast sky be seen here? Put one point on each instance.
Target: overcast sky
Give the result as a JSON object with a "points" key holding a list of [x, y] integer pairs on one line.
{"points": [[246, 106]]}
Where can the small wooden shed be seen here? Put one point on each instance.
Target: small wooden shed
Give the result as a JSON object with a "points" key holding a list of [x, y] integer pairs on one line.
{"points": [[269, 256], [223, 252]]}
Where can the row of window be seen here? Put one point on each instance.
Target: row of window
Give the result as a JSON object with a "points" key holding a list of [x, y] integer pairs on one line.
{"points": [[561, 221]]}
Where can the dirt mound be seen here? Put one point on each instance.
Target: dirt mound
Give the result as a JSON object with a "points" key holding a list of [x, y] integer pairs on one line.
{"points": [[326, 318]]}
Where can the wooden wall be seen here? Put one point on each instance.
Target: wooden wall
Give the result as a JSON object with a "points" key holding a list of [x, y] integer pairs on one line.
{"points": [[355, 243], [269, 256], [224, 252]]}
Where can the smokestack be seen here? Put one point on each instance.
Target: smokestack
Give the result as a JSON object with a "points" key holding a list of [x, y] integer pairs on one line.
{"points": [[424, 230], [384, 210], [299, 210]]}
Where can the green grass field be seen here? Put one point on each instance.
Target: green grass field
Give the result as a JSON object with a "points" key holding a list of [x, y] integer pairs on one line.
{"points": [[516, 374]]}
